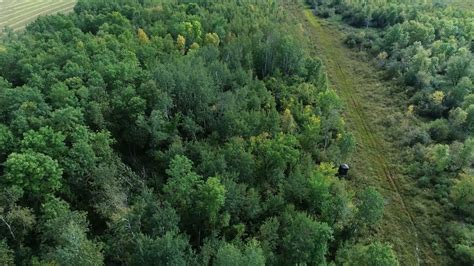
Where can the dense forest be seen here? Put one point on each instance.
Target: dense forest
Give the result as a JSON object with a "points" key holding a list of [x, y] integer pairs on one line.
{"points": [[428, 49], [148, 132]]}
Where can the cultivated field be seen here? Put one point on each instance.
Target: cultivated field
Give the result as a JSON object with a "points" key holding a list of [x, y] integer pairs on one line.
{"points": [[466, 4], [16, 14]]}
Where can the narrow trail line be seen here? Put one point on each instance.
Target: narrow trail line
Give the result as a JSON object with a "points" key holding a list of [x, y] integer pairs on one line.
{"points": [[367, 101]]}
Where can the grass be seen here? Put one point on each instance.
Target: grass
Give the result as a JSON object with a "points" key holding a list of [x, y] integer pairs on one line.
{"points": [[409, 212]]}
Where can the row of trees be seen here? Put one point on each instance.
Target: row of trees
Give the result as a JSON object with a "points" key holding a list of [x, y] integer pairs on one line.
{"points": [[429, 49], [173, 133]]}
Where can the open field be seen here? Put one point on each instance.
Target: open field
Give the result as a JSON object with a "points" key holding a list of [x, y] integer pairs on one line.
{"points": [[17, 14]]}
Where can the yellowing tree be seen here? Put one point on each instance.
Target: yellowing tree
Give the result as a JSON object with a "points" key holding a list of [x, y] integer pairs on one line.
{"points": [[212, 39], [438, 97], [194, 46], [288, 122], [143, 37], [180, 42]]}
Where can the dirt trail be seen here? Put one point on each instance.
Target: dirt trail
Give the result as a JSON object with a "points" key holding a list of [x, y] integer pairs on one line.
{"points": [[367, 101]]}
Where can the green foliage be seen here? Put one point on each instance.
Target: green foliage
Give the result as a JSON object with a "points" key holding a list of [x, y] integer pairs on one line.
{"points": [[370, 207], [147, 224], [470, 117], [167, 250], [459, 66], [6, 254], [37, 174], [182, 182], [439, 130], [320, 184], [460, 236], [46, 141], [268, 234], [373, 255], [212, 39], [304, 240], [277, 155], [197, 201], [425, 46], [65, 234], [211, 196], [463, 195], [251, 254], [439, 157], [6, 141], [337, 209], [17, 221], [171, 133], [330, 198]]}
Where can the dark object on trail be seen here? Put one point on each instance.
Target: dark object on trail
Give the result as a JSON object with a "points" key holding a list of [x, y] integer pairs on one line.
{"points": [[343, 169]]}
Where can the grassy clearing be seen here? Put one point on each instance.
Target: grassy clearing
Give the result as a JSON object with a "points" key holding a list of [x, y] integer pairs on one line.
{"points": [[411, 215]]}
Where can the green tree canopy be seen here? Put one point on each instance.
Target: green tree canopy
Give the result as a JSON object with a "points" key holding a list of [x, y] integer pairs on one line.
{"points": [[370, 207], [374, 254], [463, 195], [33, 172], [304, 240]]}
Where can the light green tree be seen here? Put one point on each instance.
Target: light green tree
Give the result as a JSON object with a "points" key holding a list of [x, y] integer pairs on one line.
{"points": [[46, 141], [33, 172], [182, 182], [230, 255], [211, 197], [439, 156], [463, 195], [375, 254]]}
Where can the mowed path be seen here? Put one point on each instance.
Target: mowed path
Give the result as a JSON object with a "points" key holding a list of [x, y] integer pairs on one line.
{"points": [[16, 14], [368, 100]]}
